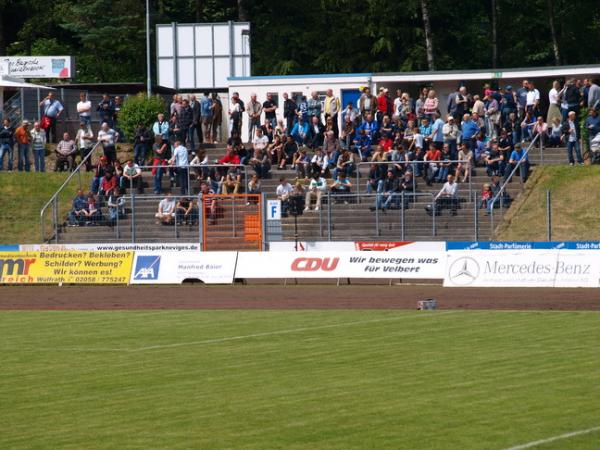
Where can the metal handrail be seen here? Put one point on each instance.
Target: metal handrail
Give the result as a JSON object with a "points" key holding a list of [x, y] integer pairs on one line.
{"points": [[512, 173], [62, 187]]}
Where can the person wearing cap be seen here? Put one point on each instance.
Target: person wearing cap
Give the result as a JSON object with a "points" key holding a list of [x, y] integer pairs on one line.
{"points": [[450, 132], [83, 140], [23, 138], [38, 142]]}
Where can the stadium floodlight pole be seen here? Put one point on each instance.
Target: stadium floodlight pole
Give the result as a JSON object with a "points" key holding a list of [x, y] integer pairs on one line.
{"points": [[148, 74]]}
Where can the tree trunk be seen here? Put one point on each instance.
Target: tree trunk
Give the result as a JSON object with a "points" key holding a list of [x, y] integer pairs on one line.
{"points": [[428, 36], [553, 32], [199, 11], [242, 11], [494, 17]]}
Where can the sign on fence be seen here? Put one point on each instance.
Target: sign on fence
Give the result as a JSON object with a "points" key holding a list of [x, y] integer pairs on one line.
{"points": [[38, 66], [57, 267], [340, 265]]}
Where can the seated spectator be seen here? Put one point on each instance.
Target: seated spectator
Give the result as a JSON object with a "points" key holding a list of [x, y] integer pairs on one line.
{"points": [[465, 166], [554, 138], [107, 186], [540, 128], [388, 190], [445, 165], [260, 141], [301, 163], [503, 199], [373, 178], [230, 158], [346, 164], [116, 207], [341, 187], [331, 148], [280, 130], [447, 197], [132, 177], [231, 183], [518, 154], [316, 188], [347, 134], [432, 158], [260, 162], [101, 168], [284, 190], [200, 163], [316, 133], [362, 144], [486, 196], [527, 126], [76, 215], [408, 186], [275, 149], [288, 150], [494, 160], [254, 185], [208, 202], [166, 210], [480, 149], [91, 214], [319, 164], [186, 212], [65, 154], [300, 132]]}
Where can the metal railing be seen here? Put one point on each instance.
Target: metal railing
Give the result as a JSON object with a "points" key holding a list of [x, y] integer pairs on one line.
{"points": [[507, 179], [422, 165], [54, 200]]}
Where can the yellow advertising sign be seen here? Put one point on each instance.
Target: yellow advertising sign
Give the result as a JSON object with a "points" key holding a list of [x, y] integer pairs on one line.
{"points": [[66, 266]]}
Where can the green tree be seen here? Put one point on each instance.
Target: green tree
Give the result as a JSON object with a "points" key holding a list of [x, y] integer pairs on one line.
{"points": [[140, 109]]}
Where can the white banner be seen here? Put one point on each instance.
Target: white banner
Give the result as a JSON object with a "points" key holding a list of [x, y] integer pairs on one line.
{"points": [[340, 265], [38, 66], [175, 267], [159, 247], [350, 246], [531, 268]]}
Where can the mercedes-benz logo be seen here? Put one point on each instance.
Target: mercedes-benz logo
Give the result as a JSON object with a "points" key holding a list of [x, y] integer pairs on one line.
{"points": [[463, 271]]}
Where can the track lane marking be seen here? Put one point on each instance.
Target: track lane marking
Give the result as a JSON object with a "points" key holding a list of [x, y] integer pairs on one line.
{"points": [[554, 438]]}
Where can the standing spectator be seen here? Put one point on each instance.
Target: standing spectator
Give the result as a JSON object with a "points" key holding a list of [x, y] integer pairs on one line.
{"points": [[470, 129], [314, 106], [106, 110], [7, 144], [437, 130], [332, 109], [571, 98], [140, 144], [51, 111], [554, 103], [513, 127], [382, 105], [132, 176], [388, 190], [181, 162], [161, 128], [290, 110], [84, 109], [38, 143], [118, 106], [420, 103], [522, 99], [65, 154], [83, 139], [254, 111], [270, 108], [303, 109], [217, 117], [316, 131], [462, 103], [593, 98], [316, 188], [160, 154], [196, 128], [23, 139], [533, 100], [166, 210], [206, 114], [431, 105], [478, 106], [492, 116], [571, 130], [108, 137], [508, 103], [283, 191], [350, 114], [450, 133], [184, 124], [367, 104]]}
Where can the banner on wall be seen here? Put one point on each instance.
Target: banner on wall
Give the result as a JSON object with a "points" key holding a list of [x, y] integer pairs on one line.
{"points": [[57, 267], [424, 265], [175, 267], [523, 245], [531, 268], [144, 247], [351, 246]]}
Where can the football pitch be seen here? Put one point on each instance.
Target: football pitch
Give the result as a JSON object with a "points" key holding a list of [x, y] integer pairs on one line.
{"points": [[299, 379]]}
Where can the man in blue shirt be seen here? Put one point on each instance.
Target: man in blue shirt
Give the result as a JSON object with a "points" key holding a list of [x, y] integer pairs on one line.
{"points": [[470, 129], [518, 154], [437, 132], [51, 111], [206, 113]]}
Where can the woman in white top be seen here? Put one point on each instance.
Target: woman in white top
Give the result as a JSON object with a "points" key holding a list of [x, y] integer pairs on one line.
{"points": [[554, 99]]}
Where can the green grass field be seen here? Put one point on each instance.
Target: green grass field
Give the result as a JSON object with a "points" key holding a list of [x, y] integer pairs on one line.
{"points": [[298, 380]]}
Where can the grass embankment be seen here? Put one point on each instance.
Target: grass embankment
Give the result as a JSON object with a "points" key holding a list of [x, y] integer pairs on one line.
{"points": [[22, 196], [575, 213], [298, 380]]}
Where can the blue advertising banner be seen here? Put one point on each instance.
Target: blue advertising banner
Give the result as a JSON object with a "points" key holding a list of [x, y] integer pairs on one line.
{"points": [[509, 245]]}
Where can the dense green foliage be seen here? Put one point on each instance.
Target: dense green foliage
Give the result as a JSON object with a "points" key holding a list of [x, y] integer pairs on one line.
{"points": [[140, 109], [312, 36], [297, 379]]}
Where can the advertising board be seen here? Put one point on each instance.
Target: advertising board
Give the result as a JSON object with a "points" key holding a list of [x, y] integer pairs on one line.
{"points": [[340, 265], [140, 247], [58, 267], [175, 267], [38, 66], [351, 246], [531, 268]]}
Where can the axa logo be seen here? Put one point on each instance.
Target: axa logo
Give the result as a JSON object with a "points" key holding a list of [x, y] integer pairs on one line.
{"points": [[15, 266], [315, 264], [146, 268]]}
